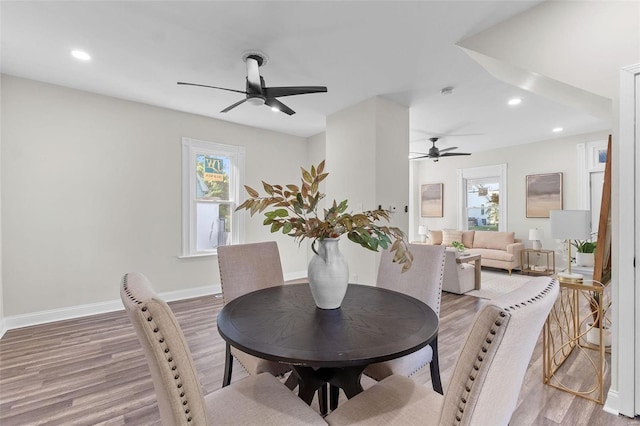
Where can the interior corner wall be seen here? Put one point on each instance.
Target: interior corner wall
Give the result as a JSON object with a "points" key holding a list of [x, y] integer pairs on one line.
{"points": [[367, 147], [392, 160], [580, 43], [91, 189], [316, 149]]}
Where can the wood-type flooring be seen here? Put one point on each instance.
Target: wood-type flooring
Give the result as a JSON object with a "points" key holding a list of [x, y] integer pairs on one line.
{"points": [[91, 371]]}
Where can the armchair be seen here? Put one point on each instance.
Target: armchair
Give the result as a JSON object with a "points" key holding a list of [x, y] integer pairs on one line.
{"points": [[245, 268], [459, 278], [260, 399], [424, 282], [487, 376]]}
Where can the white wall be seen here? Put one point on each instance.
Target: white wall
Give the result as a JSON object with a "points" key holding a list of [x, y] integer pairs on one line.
{"points": [[551, 156], [2, 324], [367, 146], [91, 189], [581, 43]]}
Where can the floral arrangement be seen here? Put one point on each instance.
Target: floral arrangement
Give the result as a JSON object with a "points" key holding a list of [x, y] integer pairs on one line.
{"points": [[295, 214]]}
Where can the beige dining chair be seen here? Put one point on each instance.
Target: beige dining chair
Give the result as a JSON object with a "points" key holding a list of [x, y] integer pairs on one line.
{"points": [[260, 399], [487, 376], [245, 268], [424, 282]]}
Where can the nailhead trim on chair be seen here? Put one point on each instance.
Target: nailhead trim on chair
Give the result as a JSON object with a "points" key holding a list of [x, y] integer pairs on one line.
{"points": [[489, 339], [439, 303], [164, 347]]}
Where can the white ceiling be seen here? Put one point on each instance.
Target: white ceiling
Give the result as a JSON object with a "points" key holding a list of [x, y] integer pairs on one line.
{"points": [[403, 51]]}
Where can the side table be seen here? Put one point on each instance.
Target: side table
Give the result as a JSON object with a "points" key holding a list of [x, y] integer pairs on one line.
{"points": [[476, 258], [529, 265]]}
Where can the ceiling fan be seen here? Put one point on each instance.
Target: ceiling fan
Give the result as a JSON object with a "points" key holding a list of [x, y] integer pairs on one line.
{"points": [[257, 93], [435, 153]]}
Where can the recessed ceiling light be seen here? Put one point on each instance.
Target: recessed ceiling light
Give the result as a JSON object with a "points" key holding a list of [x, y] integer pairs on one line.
{"points": [[557, 129], [80, 55], [514, 101]]}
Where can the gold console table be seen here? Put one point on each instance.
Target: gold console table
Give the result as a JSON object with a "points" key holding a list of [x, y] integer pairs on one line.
{"points": [[571, 362]]}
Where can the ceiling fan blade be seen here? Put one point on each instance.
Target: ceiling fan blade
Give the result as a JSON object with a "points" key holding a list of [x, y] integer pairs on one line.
{"points": [[230, 107], [451, 154], [422, 155], [253, 74], [213, 87], [275, 92], [451, 148], [274, 103]]}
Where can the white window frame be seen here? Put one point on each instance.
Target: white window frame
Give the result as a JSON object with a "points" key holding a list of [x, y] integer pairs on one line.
{"points": [[499, 171], [190, 148]]}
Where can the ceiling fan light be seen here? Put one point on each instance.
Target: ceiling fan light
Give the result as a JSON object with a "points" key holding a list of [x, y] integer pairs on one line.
{"points": [[256, 100]]}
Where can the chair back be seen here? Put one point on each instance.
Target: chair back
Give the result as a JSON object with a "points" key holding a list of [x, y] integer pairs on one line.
{"points": [[422, 281], [248, 267], [490, 368], [178, 390]]}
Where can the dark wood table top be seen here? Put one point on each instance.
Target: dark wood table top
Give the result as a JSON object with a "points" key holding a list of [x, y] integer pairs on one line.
{"points": [[283, 324]]}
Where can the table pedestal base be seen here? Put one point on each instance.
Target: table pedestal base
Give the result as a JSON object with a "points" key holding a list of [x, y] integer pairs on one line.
{"points": [[312, 380]]}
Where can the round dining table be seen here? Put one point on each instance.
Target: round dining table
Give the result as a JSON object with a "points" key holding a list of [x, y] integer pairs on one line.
{"points": [[333, 346]]}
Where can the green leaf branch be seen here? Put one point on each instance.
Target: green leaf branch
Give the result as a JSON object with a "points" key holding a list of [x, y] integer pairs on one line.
{"points": [[295, 213]]}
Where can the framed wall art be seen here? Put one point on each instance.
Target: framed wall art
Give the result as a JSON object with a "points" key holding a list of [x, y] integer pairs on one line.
{"points": [[544, 193], [431, 200]]}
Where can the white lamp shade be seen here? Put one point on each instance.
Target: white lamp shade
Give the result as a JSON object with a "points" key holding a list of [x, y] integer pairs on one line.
{"points": [[422, 230], [570, 224], [535, 234]]}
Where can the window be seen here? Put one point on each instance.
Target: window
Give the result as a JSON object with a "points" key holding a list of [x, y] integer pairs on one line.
{"points": [[483, 204], [211, 181], [482, 198]]}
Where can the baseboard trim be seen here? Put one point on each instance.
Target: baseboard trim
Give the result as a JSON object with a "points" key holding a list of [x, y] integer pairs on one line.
{"points": [[72, 312], [295, 275], [612, 404]]}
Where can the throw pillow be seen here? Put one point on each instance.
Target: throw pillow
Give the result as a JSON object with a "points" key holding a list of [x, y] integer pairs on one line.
{"points": [[467, 238], [435, 237], [449, 236]]}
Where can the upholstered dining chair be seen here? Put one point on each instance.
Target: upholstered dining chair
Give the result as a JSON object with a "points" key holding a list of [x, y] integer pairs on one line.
{"points": [[260, 399], [487, 376], [424, 282], [245, 268]]}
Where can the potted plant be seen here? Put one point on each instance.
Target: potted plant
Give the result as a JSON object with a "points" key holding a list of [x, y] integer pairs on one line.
{"points": [[599, 305], [295, 213], [458, 246], [585, 252]]}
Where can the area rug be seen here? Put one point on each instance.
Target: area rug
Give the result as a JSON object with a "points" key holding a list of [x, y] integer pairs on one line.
{"points": [[495, 284]]}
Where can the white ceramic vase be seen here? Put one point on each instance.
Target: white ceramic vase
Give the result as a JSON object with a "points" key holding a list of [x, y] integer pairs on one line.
{"points": [[328, 274], [584, 259], [593, 335]]}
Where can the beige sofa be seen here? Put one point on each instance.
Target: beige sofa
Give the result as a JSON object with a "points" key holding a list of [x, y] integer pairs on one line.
{"points": [[497, 249]]}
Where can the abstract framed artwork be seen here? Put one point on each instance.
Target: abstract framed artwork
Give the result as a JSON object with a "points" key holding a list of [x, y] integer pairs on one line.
{"points": [[544, 193], [431, 200]]}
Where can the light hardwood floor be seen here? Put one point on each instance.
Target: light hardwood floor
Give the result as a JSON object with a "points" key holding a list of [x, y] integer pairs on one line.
{"points": [[91, 371]]}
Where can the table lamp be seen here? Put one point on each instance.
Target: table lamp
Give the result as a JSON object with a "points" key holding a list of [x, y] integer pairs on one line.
{"points": [[535, 235], [570, 225], [422, 231]]}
